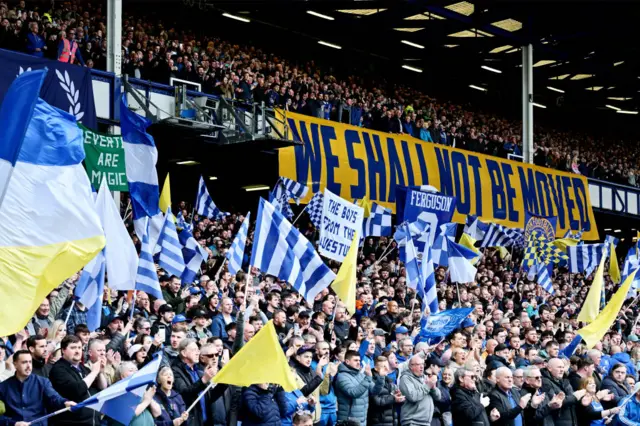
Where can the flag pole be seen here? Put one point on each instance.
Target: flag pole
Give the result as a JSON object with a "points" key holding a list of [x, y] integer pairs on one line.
{"points": [[300, 214], [203, 393], [73, 303], [55, 413]]}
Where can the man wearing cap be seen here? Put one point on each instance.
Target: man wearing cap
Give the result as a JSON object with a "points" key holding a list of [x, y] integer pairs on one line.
{"points": [[198, 329], [165, 316], [401, 332]]}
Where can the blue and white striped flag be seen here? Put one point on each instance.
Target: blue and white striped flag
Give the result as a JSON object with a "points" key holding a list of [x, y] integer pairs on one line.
{"points": [[576, 236], [90, 290], [544, 276], [584, 258], [475, 228], [314, 209], [235, 254], [440, 248], [496, 236], [119, 401], [279, 198], [194, 254], [411, 261], [610, 239], [141, 157], [170, 258], [281, 250], [205, 205], [181, 223], [378, 224], [147, 277], [428, 291], [294, 189]]}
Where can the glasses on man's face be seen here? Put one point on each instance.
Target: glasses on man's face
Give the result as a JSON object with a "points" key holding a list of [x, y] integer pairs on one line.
{"points": [[207, 355], [536, 377], [518, 377], [145, 328]]}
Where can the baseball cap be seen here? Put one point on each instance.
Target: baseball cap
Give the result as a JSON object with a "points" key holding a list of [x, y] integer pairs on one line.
{"points": [[199, 313], [305, 349], [434, 360], [165, 308], [179, 318], [402, 330], [468, 322]]}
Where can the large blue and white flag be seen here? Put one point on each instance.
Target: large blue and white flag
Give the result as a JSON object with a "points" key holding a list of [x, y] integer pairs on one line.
{"points": [[294, 189], [314, 209], [610, 239], [194, 254], [475, 228], [544, 272], [20, 101], [204, 203], [414, 278], [496, 236], [235, 254], [461, 270], [119, 401], [147, 277], [141, 157], [428, 291], [90, 290], [378, 224], [281, 250], [170, 258], [584, 258], [437, 326]]}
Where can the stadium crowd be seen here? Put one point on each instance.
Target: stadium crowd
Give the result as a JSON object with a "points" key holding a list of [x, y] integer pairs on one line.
{"points": [[152, 50], [502, 366]]}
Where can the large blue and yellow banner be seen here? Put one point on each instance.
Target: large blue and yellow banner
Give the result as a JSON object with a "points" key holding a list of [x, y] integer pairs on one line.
{"points": [[355, 162]]}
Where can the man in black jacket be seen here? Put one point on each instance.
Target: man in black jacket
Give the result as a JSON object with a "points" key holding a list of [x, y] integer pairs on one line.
{"points": [[467, 405], [191, 379], [75, 382], [37, 346], [382, 410], [538, 414], [554, 383], [507, 400]]}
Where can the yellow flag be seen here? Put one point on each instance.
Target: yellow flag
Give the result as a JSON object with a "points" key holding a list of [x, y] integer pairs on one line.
{"points": [[366, 205], [563, 243], [591, 306], [467, 241], [165, 197], [345, 283], [261, 360], [503, 252], [614, 269], [594, 332]]}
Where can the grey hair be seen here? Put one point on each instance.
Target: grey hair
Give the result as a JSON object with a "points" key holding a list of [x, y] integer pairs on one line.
{"points": [[184, 343], [124, 366], [528, 372], [461, 372]]}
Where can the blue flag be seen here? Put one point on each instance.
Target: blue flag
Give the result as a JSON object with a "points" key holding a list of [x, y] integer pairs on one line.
{"points": [[439, 325]]}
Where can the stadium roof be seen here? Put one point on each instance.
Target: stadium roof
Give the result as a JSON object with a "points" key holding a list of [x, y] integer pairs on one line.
{"points": [[585, 50]]}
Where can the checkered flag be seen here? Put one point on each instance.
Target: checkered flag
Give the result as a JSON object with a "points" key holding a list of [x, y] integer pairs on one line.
{"points": [[378, 224], [315, 209]]}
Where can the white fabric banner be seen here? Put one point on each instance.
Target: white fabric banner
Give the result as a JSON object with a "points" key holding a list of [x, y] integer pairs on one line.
{"points": [[340, 220]]}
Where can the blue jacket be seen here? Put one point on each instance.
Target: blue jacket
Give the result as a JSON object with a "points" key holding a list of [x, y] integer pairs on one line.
{"points": [[425, 135], [288, 404], [328, 402], [34, 41], [172, 407], [630, 414], [28, 400], [218, 327], [259, 407]]}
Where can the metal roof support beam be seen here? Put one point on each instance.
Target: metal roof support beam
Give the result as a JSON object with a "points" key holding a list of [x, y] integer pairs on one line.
{"points": [[527, 103]]}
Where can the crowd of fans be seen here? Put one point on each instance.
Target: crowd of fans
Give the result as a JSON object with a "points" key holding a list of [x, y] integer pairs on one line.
{"points": [[155, 51], [503, 366]]}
